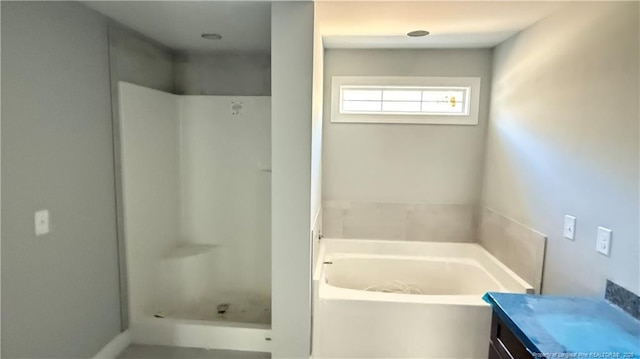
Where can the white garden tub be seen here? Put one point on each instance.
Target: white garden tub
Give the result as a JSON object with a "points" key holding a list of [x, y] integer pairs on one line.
{"points": [[391, 299]]}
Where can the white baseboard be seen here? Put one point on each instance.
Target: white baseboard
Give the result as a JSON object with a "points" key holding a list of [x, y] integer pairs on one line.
{"points": [[115, 346]]}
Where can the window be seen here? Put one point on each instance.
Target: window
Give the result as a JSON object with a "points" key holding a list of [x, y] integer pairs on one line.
{"points": [[429, 100], [405, 100]]}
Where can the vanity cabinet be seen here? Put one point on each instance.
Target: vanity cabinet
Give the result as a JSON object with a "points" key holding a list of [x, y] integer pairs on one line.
{"points": [[504, 344]]}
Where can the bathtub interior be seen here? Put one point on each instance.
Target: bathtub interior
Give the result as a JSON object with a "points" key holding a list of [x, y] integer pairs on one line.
{"points": [[416, 275], [422, 268]]}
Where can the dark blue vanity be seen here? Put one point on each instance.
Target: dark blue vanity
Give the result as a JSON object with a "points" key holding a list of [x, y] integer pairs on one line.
{"points": [[535, 326]]}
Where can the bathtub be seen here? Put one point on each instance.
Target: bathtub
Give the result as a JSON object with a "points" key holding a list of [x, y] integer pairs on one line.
{"points": [[395, 299]]}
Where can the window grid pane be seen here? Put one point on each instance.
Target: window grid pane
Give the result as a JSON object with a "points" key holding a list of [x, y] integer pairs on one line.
{"points": [[402, 95], [361, 95], [405, 100], [362, 106], [398, 106], [439, 107]]}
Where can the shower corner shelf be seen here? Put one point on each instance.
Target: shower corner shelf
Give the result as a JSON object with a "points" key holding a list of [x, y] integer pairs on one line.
{"points": [[186, 250]]}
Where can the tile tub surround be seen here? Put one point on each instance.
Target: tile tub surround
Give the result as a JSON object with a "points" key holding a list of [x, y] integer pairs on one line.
{"points": [[399, 221], [623, 298], [517, 246]]}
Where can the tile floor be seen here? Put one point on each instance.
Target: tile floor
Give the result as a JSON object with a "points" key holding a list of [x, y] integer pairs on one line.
{"points": [[137, 351]]}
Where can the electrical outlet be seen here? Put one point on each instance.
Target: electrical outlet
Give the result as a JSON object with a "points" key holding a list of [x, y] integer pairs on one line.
{"points": [[42, 222], [569, 227], [603, 243]]}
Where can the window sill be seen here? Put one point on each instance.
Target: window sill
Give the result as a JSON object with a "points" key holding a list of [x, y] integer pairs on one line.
{"points": [[406, 120]]}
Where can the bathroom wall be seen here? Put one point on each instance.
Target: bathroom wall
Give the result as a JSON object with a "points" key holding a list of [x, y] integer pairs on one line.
{"points": [[415, 182], [59, 290], [0, 199], [134, 59], [316, 138], [563, 139], [247, 74], [291, 116], [139, 60]]}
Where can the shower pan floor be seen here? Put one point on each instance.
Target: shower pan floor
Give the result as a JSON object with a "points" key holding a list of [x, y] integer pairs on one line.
{"points": [[238, 310], [244, 322]]}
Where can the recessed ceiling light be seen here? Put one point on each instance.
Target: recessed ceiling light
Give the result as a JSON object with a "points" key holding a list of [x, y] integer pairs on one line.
{"points": [[211, 36], [418, 33]]}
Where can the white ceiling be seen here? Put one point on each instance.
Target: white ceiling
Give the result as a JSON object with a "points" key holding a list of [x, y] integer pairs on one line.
{"points": [[245, 26], [453, 24]]}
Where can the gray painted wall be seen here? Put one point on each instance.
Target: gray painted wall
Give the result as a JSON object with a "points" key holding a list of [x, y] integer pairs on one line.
{"points": [[291, 118], [223, 74], [316, 140], [48, 74], [141, 61], [563, 139], [438, 164], [59, 291]]}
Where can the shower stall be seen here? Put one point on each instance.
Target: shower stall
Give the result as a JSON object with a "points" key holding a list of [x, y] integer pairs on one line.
{"points": [[196, 185]]}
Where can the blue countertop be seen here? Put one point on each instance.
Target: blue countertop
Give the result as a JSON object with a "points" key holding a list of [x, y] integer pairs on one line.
{"points": [[551, 325]]}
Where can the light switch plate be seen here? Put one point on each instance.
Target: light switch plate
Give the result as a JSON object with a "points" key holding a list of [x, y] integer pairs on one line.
{"points": [[603, 243], [42, 222], [569, 227]]}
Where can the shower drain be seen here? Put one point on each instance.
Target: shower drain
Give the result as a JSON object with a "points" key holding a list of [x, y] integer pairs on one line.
{"points": [[223, 308]]}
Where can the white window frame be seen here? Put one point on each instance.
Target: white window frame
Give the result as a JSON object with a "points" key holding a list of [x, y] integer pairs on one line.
{"points": [[471, 118]]}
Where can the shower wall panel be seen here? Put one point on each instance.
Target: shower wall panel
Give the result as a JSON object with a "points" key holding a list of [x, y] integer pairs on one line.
{"points": [[226, 187], [197, 186], [150, 178]]}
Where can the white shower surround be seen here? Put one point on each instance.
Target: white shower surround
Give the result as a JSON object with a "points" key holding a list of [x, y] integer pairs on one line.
{"points": [[196, 187], [448, 319]]}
